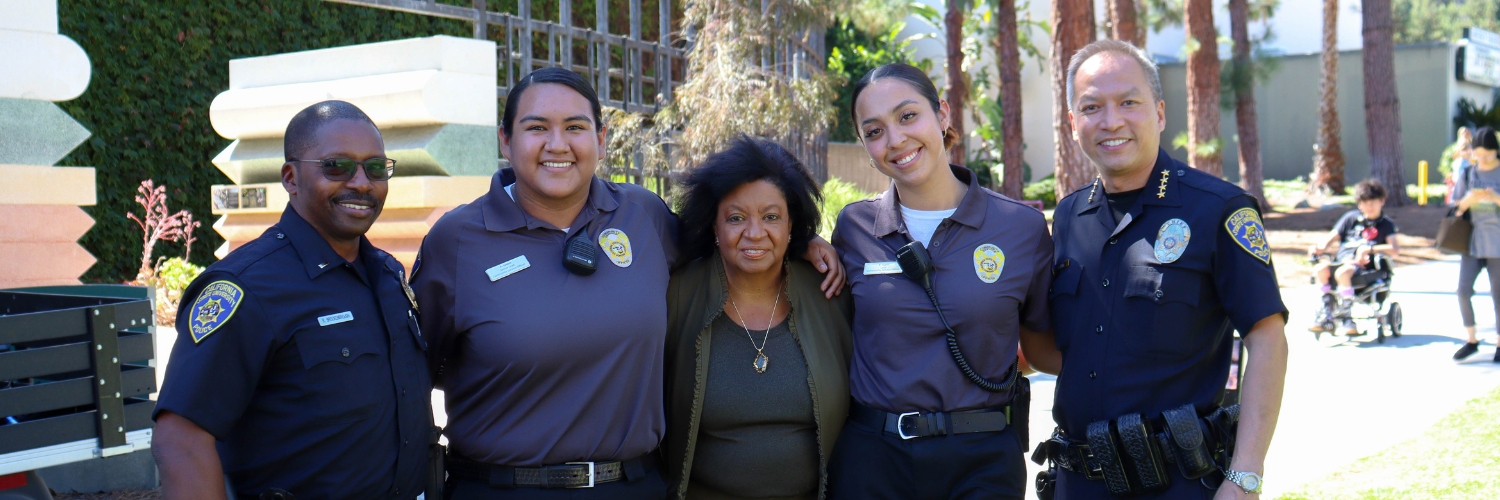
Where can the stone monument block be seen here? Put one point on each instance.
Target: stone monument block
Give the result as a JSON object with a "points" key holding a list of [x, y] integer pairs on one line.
{"points": [[433, 99], [34, 132], [412, 206], [451, 149], [37, 62]]}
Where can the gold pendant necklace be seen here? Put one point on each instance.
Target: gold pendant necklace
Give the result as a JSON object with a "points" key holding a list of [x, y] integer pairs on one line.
{"points": [[761, 361]]}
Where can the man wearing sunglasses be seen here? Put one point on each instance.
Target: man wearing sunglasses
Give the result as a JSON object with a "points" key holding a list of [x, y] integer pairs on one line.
{"points": [[298, 370]]}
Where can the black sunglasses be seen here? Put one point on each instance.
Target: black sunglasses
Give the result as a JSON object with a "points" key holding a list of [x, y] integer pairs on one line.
{"points": [[342, 169]]}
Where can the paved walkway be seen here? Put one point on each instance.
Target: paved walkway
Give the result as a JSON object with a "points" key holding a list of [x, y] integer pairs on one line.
{"points": [[1348, 398]]}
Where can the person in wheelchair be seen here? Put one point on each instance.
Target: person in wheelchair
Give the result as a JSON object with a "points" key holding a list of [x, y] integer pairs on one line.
{"points": [[1361, 234]]}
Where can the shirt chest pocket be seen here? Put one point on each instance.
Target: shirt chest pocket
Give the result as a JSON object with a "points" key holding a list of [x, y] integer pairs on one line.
{"points": [[341, 371], [1064, 297], [1161, 301]]}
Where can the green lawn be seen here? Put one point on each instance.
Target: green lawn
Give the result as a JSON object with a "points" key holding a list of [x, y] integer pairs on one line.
{"points": [[1458, 458]]}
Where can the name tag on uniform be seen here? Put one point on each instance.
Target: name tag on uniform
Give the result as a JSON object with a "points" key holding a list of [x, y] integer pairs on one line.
{"points": [[873, 268], [508, 268], [334, 319]]}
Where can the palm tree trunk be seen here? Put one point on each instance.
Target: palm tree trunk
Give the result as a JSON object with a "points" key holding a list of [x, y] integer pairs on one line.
{"points": [[1073, 28], [1008, 52], [1123, 24], [1251, 177], [1203, 89], [1328, 154], [957, 90], [1382, 106]]}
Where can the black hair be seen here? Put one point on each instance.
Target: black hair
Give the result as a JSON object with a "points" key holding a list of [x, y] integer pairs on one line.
{"points": [[304, 126], [1369, 189], [1485, 138], [746, 160], [550, 75], [906, 73]]}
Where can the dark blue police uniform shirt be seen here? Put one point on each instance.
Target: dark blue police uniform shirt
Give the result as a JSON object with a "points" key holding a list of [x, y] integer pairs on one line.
{"points": [[308, 370], [1138, 330]]}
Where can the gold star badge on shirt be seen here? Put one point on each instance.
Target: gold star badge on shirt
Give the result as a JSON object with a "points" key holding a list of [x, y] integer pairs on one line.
{"points": [[1161, 190]]}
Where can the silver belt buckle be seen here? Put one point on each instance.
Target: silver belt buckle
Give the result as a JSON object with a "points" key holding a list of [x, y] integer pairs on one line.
{"points": [[591, 474], [900, 430]]}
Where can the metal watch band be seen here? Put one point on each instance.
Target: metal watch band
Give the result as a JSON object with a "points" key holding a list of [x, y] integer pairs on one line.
{"points": [[1238, 477]]}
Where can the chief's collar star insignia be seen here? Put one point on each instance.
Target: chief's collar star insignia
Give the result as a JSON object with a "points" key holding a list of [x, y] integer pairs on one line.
{"points": [[1161, 190]]}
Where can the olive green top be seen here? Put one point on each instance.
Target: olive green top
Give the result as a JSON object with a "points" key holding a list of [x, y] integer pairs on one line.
{"points": [[820, 327]]}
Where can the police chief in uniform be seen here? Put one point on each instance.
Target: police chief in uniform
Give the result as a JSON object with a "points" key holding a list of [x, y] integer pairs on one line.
{"points": [[1155, 264], [298, 370]]}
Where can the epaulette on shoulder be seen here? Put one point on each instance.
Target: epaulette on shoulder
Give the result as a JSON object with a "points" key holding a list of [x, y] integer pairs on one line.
{"points": [[1201, 181], [248, 254]]}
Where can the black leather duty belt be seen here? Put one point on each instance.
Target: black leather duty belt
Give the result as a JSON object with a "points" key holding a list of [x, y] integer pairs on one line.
{"points": [[915, 425], [568, 475]]}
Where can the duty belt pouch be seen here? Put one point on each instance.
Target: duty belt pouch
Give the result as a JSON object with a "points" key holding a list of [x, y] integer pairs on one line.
{"points": [[1020, 412], [1106, 455], [1186, 442], [1145, 459]]}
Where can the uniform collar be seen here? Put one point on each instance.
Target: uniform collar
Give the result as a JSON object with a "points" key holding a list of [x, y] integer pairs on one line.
{"points": [[316, 254], [1161, 187], [503, 214], [970, 211]]}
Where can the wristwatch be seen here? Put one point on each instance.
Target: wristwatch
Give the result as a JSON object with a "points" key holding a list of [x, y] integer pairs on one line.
{"points": [[1248, 481]]}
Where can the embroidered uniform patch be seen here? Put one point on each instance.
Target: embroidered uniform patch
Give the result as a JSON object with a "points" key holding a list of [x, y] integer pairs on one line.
{"points": [[617, 246], [1172, 240], [989, 262], [1245, 227], [215, 305]]}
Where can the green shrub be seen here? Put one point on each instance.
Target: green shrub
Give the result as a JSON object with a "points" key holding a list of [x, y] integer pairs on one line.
{"points": [[1044, 189], [172, 277], [836, 194]]}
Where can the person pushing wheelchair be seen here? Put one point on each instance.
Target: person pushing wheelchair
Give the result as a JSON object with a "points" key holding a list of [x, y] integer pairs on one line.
{"points": [[1360, 234]]}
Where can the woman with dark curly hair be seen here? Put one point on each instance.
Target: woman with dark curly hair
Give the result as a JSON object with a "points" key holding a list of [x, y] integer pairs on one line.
{"points": [[757, 357]]}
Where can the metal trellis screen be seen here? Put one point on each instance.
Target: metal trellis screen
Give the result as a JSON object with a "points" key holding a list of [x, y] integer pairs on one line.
{"points": [[629, 72]]}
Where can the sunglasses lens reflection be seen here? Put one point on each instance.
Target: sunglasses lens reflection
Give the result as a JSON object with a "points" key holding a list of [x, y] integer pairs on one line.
{"points": [[342, 169]]}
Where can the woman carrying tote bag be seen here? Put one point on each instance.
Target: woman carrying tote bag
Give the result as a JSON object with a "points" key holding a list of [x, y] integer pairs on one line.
{"points": [[1478, 194]]}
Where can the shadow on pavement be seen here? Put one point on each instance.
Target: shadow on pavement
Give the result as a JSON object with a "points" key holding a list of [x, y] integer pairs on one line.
{"points": [[1402, 342]]}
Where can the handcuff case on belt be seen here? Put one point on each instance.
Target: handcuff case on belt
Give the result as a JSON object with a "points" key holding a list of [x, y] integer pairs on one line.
{"points": [[1186, 442]]}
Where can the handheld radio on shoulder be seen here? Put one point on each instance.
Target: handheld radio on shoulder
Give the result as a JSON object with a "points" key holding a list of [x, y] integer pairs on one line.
{"points": [[916, 264], [580, 255]]}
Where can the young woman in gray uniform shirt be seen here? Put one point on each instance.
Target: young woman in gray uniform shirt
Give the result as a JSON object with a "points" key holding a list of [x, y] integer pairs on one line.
{"points": [[1476, 191], [552, 368], [937, 412]]}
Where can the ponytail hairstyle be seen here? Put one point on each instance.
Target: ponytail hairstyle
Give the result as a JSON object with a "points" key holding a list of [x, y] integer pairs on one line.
{"points": [[913, 77]]}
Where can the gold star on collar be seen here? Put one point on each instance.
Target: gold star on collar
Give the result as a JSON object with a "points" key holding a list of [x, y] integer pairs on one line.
{"points": [[1093, 189], [1161, 190]]}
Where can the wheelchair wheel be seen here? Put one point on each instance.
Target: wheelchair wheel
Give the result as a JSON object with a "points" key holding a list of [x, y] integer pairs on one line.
{"points": [[1393, 319]]}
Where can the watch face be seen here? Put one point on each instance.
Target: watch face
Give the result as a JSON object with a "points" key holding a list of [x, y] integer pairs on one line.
{"points": [[1252, 482]]}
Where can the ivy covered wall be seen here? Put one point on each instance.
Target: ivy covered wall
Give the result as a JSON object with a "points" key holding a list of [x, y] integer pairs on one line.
{"points": [[156, 67]]}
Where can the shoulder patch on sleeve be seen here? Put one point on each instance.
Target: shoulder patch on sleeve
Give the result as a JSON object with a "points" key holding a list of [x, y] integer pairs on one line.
{"points": [[214, 306], [1245, 227]]}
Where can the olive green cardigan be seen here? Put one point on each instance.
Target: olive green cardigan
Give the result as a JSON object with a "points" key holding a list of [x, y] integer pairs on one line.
{"points": [[695, 297]]}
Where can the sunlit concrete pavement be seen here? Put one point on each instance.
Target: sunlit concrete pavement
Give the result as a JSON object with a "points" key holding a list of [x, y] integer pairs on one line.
{"points": [[1348, 398]]}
